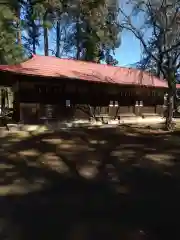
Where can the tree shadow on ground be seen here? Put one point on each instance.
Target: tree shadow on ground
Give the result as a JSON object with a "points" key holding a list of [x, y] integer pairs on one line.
{"points": [[111, 183]]}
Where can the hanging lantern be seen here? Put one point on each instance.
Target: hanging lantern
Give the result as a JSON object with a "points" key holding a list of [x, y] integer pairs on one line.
{"points": [[116, 104], [141, 104], [111, 104], [165, 96]]}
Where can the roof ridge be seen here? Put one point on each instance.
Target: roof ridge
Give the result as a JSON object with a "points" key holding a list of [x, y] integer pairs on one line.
{"points": [[94, 63], [51, 66], [81, 61]]}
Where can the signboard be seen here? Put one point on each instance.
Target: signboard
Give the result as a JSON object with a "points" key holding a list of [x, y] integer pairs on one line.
{"points": [[49, 111]]}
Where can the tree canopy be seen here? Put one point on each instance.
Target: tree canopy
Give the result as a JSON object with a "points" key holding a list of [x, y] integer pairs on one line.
{"points": [[10, 51], [87, 30]]}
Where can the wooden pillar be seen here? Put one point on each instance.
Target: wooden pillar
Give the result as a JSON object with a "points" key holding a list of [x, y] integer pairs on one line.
{"points": [[10, 98], [140, 108], [16, 103], [137, 109], [112, 109]]}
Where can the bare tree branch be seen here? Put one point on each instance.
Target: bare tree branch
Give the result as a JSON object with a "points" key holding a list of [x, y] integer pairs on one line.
{"points": [[161, 50]]}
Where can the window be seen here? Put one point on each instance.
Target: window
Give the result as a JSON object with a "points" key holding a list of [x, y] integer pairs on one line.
{"points": [[68, 103]]}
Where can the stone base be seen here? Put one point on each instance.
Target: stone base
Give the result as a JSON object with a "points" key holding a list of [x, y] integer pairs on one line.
{"points": [[82, 123]]}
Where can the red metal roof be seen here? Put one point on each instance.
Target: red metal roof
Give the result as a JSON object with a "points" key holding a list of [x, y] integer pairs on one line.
{"points": [[55, 67]]}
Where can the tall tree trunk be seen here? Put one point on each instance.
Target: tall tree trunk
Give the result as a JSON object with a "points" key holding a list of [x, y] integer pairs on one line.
{"points": [[34, 37], [78, 49], [19, 36], [170, 110], [46, 42], [32, 26], [58, 36], [170, 103]]}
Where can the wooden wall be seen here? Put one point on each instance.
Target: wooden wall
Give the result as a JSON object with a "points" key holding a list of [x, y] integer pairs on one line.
{"points": [[36, 112], [82, 95]]}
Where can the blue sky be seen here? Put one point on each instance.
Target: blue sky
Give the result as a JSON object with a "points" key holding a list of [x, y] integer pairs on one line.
{"points": [[129, 51]]}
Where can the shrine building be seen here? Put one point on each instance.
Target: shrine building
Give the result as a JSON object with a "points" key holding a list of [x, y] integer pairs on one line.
{"points": [[46, 87]]}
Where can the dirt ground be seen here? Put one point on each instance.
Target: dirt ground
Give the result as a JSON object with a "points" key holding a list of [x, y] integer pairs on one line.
{"points": [[109, 183]]}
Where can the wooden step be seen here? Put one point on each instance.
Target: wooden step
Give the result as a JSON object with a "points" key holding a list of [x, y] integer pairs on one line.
{"points": [[145, 115], [126, 115]]}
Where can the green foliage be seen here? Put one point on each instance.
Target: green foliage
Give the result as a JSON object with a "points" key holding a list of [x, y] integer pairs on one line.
{"points": [[10, 51], [87, 30], [31, 27], [97, 29]]}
